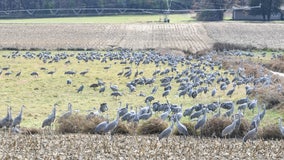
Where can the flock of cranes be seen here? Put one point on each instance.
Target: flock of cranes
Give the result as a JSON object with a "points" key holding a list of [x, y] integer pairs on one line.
{"points": [[197, 77]]}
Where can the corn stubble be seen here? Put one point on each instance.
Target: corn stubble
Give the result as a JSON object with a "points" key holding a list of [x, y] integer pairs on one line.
{"points": [[86, 146]]}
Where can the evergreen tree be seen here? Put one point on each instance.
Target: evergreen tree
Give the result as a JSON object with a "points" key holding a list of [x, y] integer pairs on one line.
{"points": [[267, 7]]}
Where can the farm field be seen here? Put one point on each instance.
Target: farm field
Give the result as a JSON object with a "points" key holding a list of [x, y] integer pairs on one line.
{"points": [[134, 147], [189, 37], [90, 64], [39, 93]]}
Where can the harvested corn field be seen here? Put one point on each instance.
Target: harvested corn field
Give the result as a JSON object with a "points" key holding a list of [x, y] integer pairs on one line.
{"points": [[134, 147], [259, 35], [191, 37]]}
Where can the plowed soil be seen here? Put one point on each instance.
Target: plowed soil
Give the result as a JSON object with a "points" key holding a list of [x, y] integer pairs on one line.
{"points": [[191, 37]]}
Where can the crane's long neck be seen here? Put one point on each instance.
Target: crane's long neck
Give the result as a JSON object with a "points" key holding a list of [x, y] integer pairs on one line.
{"points": [[280, 123], [70, 107], [9, 112], [172, 125], [54, 111], [117, 116], [21, 112]]}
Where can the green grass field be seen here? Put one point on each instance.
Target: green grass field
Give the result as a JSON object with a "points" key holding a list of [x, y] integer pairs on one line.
{"points": [[39, 94]]}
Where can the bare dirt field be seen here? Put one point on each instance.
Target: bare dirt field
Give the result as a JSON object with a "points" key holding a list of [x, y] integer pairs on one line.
{"points": [[134, 147], [191, 37]]}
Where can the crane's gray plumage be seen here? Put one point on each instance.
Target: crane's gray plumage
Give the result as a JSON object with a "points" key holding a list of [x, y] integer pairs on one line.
{"points": [[50, 119], [103, 107], [213, 93], [112, 125], [80, 89], [165, 114], [166, 133], [8, 120], [67, 114], [229, 129], [18, 119], [251, 134], [200, 123], [262, 114], [101, 126], [188, 111], [123, 111], [181, 128]]}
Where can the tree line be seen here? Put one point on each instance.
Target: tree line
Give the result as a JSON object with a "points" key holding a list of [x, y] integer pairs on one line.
{"points": [[267, 7], [145, 4]]}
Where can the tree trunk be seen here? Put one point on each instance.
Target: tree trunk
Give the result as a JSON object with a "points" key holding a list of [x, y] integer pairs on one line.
{"points": [[263, 16], [269, 10]]}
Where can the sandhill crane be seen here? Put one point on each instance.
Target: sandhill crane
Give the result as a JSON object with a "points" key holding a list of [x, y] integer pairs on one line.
{"points": [[8, 120], [112, 125], [218, 114], [107, 67], [229, 112], [102, 89], [230, 92], [141, 94], [166, 133], [116, 94], [213, 93], [154, 90], [146, 115], [8, 73], [122, 111], [101, 126], [35, 74], [18, 74], [50, 119], [242, 101], [165, 114], [80, 89], [197, 114], [51, 72], [83, 73], [188, 111], [114, 88], [149, 99], [181, 128], [251, 134], [281, 127], [262, 114], [94, 86], [6, 68], [68, 81], [200, 123], [252, 104], [66, 114], [18, 119], [103, 107], [230, 128]]}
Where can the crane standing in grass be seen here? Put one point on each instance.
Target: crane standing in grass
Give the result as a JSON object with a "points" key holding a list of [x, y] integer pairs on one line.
{"points": [[251, 134], [230, 128], [18, 119], [66, 114], [166, 133], [181, 128], [111, 126], [101, 126], [50, 119], [8, 120]]}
